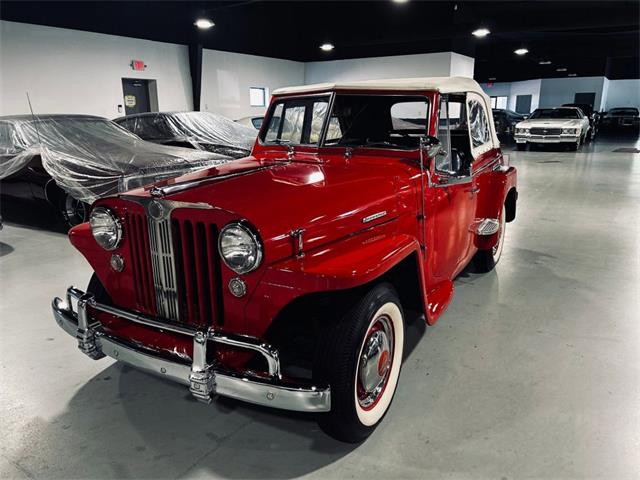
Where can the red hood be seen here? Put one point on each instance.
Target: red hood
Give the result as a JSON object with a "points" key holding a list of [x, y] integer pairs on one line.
{"points": [[328, 199]]}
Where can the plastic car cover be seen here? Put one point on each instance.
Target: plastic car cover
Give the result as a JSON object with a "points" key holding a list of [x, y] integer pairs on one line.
{"points": [[204, 130], [91, 157]]}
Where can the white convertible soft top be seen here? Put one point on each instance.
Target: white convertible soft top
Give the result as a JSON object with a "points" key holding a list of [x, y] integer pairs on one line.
{"points": [[440, 84]]}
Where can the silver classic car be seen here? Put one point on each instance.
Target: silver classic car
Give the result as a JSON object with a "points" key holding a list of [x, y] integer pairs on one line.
{"points": [[564, 125]]}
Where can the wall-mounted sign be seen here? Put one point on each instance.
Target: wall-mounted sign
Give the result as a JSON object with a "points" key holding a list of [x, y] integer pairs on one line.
{"points": [[130, 101], [138, 65]]}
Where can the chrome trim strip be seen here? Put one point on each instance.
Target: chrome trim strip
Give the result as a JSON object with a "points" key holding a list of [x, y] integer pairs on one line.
{"points": [[204, 380], [178, 187], [375, 216]]}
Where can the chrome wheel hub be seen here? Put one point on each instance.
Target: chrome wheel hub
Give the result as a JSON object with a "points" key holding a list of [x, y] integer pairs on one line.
{"points": [[74, 210], [374, 365]]}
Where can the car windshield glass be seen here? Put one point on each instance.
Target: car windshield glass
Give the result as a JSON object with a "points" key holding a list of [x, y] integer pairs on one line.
{"points": [[555, 113], [377, 121], [623, 111], [152, 127], [296, 121]]}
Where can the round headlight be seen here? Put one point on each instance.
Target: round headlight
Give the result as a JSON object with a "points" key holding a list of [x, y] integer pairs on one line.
{"points": [[105, 227], [240, 248]]}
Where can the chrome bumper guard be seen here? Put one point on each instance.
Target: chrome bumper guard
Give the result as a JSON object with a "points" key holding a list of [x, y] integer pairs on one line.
{"points": [[205, 381]]}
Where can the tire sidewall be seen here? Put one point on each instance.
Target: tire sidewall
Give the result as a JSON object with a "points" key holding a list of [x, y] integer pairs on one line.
{"points": [[369, 418], [336, 364]]}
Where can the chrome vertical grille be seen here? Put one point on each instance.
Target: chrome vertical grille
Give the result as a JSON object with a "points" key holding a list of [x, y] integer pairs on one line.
{"points": [[163, 265]]}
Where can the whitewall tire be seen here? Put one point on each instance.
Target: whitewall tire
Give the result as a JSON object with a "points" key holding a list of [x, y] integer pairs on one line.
{"points": [[359, 355]]}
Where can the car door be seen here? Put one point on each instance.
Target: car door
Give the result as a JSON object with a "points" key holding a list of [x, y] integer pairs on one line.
{"points": [[452, 196], [486, 155]]}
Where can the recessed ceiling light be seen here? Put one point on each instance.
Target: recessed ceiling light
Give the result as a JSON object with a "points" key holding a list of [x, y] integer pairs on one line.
{"points": [[399, 1], [545, 62], [521, 51], [481, 32], [561, 69], [204, 23], [572, 75], [492, 78], [326, 47]]}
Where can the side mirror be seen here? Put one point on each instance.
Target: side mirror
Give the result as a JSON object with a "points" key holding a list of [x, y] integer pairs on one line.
{"points": [[431, 146]]}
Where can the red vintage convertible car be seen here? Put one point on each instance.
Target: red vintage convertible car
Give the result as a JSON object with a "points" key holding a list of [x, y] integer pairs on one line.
{"points": [[281, 279]]}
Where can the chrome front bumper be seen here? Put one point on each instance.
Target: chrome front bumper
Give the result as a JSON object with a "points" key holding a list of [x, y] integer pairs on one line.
{"points": [[547, 139], [205, 381]]}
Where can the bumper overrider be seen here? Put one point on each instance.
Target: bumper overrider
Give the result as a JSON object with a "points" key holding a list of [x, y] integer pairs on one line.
{"points": [[204, 380]]}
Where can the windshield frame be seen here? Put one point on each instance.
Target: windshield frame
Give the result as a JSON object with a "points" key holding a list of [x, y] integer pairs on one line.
{"points": [[422, 95], [306, 97]]}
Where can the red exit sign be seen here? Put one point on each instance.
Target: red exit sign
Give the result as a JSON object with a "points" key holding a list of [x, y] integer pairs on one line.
{"points": [[138, 65]]}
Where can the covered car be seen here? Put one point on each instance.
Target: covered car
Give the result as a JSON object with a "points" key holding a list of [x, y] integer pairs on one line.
{"points": [[71, 160], [199, 130]]}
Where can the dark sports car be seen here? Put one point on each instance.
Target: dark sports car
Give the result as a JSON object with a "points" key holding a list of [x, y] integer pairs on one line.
{"points": [[199, 130], [505, 123], [69, 161], [621, 119]]}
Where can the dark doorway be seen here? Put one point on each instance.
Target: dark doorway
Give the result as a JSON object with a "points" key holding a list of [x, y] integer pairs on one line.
{"points": [[523, 104], [586, 97], [140, 96]]}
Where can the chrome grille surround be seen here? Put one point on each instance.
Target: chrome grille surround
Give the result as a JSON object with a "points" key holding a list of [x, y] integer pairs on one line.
{"points": [[163, 265]]}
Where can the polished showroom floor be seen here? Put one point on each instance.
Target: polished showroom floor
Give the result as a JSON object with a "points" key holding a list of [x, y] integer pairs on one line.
{"points": [[533, 371]]}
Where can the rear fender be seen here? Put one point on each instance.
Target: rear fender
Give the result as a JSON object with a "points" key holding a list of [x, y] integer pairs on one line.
{"points": [[502, 187]]}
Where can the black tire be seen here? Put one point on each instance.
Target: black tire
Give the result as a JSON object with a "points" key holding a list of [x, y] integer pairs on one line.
{"points": [[521, 147], [573, 147], [339, 363], [74, 211], [485, 260], [99, 292]]}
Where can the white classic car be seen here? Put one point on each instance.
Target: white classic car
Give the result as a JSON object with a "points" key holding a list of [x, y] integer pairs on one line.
{"points": [[564, 125]]}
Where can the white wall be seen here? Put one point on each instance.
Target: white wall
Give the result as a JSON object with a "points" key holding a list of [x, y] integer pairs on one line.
{"points": [[557, 91], [553, 92], [70, 71], [623, 93], [405, 66], [226, 78], [461, 65], [526, 87], [513, 89]]}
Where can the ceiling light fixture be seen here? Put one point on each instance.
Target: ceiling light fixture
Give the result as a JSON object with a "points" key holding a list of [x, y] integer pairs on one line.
{"points": [[481, 32], [562, 69], [492, 78], [572, 75], [521, 51], [399, 1], [204, 23], [545, 62], [326, 47]]}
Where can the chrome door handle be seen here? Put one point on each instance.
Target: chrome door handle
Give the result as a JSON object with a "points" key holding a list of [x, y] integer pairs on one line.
{"points": [[474, 190]]}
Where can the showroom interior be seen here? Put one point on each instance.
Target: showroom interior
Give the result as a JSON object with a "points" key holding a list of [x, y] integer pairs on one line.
{"points": [[320, 239]]}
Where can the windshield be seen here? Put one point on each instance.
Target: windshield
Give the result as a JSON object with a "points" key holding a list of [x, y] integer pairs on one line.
{"points": [[385, 121], [555, 113]]}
